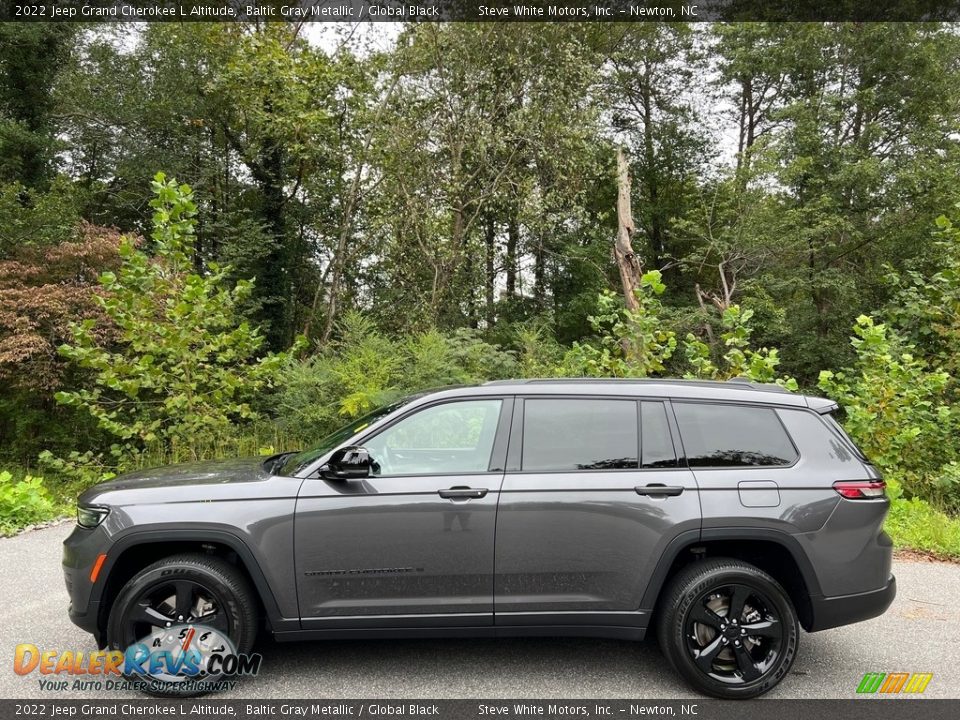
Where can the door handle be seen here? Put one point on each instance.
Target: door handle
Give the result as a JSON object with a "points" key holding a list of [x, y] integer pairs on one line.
{"points": [[462, 493], [659, 490]]}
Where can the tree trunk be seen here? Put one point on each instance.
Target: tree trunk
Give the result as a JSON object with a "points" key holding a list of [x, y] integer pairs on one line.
{"points": [[628, 263], [655, 229], [273, 280], [513, 233], [491, 272], [539, 274]]}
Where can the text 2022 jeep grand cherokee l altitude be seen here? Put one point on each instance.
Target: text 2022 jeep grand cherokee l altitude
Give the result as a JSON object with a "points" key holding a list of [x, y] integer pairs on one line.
{"points": [[722, 516]]}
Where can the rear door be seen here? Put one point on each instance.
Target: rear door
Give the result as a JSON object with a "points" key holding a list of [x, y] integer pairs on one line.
{"points": [[586, 510]]}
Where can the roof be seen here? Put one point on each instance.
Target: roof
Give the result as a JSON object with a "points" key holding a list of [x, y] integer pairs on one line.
{"points": [[735, 390]]}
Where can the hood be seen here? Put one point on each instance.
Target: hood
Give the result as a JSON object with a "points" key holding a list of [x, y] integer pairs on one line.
{"points": [[206, 478]]}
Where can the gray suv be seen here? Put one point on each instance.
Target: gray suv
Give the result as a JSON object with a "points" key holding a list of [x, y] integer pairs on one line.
{"points": [[722, 516]]}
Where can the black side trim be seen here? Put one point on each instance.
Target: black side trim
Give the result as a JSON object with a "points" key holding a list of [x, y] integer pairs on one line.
{"points": [[515, 445], [234, 542], [598, 631], [384, 633], [831, 612], [498, 456], [574, 618]]}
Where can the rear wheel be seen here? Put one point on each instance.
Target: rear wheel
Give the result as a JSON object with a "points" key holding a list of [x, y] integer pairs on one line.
{"points": [[184, 590], [728, 628]]}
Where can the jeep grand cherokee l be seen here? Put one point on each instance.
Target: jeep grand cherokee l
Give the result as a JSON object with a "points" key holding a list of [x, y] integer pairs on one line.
{"points": [[723, 516]]}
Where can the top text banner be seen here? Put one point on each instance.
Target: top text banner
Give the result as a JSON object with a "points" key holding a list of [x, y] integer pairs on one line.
{"points": [[477, 10]]}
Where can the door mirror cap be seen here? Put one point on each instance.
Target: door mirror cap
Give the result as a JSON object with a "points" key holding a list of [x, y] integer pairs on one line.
{"points": [[348, 463]]}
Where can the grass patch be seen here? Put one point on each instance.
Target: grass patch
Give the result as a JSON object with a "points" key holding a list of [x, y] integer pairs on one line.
{"points": [[916, 525]]}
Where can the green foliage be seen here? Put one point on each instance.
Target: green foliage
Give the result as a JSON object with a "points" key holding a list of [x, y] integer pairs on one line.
{"points": [[23, 502], [457, 189], [185, 366], [630, 343], [926, 306], [895, 406], [914, 524], [738, 358], [539, 352], [364, 369]]}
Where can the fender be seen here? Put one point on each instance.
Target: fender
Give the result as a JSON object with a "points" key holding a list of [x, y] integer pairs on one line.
{"points": [[692, 537], [134, 538], [659, 576]]}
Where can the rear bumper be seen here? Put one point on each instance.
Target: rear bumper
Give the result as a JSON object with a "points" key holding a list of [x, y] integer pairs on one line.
{"points": [[831, 612]]}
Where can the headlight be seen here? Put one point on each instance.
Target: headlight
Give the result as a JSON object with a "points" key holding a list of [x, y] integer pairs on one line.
{"points": [[90, 517]]}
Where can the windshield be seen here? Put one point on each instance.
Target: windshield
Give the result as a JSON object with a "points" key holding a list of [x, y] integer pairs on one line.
{"points": [[296, 463]]}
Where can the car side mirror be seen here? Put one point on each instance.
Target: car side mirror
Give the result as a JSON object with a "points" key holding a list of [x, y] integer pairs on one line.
{"points": [[348, 463]]}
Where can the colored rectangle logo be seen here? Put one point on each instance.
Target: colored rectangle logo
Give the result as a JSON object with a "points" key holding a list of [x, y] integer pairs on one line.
{"points": [[894, 683]]}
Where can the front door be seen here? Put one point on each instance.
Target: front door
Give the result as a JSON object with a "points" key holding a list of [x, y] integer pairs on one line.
{"points": [[587, 509], [412, 544]]}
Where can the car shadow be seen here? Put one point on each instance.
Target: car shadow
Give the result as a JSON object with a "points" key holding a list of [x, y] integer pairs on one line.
{"points": [[481, 668]]}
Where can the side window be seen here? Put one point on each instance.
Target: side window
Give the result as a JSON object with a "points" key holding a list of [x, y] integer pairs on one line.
{"points": [[451, 438], [732, 436], [656, 446], [560, 434]]}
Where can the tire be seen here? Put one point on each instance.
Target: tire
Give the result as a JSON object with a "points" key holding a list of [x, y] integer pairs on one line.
{"points": [[222, 588], [716, 652]]}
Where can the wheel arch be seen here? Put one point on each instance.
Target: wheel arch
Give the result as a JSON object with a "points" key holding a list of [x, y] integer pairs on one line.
{"points": [[776, 553], [135, 551]]}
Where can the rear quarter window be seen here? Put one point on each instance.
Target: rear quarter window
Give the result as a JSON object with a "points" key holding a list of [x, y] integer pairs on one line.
{"points": [[838, 430], [717, 435]]}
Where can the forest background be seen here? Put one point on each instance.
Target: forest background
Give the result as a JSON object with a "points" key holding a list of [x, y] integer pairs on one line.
{"points": [[221, 239]]}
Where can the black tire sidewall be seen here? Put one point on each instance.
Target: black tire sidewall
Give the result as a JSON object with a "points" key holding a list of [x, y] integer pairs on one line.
{"points": [[672, 634], [219, 578]]}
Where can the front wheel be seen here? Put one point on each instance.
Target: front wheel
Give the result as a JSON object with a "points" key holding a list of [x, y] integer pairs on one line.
{"points": [[176, 594], [728, 628]]}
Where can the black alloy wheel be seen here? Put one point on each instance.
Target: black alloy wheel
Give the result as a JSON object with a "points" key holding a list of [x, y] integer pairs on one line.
{"points": [[728, 628], [173, 602], [187, 590], [734, 634]]}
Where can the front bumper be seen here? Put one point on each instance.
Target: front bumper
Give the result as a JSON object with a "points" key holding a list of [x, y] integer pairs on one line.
{"points": [[80, 551], [831, 612]]}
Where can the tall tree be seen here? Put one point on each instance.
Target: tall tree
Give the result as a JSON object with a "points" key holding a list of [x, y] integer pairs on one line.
{"points": [[31, 57], [650, 69]]}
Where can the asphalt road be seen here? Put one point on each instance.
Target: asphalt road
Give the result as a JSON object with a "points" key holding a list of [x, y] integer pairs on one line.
{"points": [[920, 633]]}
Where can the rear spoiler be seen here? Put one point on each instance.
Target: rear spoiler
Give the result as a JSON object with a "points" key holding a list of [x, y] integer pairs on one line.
{"points": [[823, 406]]}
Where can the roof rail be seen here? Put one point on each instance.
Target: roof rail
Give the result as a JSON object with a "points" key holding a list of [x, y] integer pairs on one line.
{"points": [[746, 382], [771, 387]]}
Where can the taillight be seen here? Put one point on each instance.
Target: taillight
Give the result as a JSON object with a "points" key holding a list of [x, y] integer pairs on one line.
{"points": [[860, 489]]}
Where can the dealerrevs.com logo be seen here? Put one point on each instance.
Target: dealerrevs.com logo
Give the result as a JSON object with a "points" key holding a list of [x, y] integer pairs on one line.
{"points": [[180, 660], [894, 683]]}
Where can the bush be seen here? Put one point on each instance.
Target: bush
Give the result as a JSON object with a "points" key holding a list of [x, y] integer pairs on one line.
{"points": [[738, 358], [364, 369], [630, 343], [895, 409], [184, 367], [914, 524], [23, 502]]}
